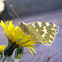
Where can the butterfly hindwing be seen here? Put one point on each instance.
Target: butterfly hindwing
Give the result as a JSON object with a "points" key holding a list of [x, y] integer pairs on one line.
{"points": [[42, 32]]}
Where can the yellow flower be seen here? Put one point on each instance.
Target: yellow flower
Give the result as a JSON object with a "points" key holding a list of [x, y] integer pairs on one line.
{"points": [[2, 47], [17, 37]]}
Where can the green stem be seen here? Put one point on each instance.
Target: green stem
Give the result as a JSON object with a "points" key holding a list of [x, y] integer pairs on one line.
{"points": [[4, 58], [1, 56], [9, 49]]}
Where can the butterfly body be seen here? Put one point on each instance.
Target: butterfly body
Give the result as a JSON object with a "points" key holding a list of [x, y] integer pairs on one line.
{"points": [[42, 32]]}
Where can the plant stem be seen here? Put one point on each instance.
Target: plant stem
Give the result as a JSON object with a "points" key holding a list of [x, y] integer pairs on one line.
{"points": [[4, 58]]}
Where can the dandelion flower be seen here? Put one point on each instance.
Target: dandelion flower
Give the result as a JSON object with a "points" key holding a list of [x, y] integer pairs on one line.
{"points": [[16, 38], [2, 47]]}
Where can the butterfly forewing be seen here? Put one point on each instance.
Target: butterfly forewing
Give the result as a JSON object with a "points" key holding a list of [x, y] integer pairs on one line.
{"points": [[42, 32]]}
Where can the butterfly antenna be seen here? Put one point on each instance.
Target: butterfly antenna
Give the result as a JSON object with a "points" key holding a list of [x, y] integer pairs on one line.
{"points": [[12, 15], [13, 11]]}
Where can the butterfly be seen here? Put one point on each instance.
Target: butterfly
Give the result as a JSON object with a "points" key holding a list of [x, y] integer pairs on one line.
{"points": [[42, 32]]}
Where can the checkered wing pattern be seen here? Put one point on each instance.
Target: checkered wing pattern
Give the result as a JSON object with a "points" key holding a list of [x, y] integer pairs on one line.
{"points": [[42, 32]]}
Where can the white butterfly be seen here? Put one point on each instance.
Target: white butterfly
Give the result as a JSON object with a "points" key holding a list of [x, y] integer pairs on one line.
{"points": [[42, 32]]}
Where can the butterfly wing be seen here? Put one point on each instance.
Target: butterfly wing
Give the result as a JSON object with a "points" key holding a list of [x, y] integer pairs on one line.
{"points": [[42, 32]]}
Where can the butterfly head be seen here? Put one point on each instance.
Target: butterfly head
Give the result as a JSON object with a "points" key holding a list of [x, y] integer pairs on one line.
{"points": [[23, 26], [20, 24]]}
